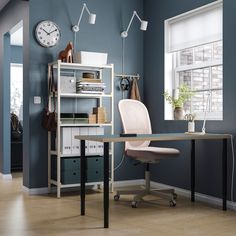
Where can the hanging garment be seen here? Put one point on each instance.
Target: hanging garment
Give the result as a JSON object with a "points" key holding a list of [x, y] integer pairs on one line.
{"points": [[134, 92]]}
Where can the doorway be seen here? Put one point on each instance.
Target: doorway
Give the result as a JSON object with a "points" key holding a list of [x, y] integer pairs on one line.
{"points": [[15, 95]]}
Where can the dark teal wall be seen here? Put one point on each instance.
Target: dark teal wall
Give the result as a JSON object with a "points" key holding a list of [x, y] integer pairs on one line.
{"points": [[112, 17], [208, 154], [17, 54]]}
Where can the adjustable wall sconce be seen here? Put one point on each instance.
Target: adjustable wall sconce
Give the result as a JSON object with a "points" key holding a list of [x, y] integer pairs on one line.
{"points": [[92, 18], [143, 25], [124, 34]]}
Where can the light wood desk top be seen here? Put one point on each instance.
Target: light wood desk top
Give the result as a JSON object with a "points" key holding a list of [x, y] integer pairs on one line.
{"points": [[153, 137]]}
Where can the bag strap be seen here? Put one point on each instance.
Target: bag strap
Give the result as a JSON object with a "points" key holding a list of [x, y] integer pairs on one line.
{"points": [[52, 87]]}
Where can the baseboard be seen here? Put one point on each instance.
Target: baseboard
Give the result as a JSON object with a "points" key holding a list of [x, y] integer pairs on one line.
{"points": [[198, 196], [39, 191], [125, 183], [35, 191], [6, 176]]}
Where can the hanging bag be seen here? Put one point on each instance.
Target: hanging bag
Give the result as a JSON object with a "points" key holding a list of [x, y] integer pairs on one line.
{"points": [[49, 119]]}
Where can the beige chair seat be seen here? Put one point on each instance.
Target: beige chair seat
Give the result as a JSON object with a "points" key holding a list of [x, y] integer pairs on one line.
{"points": [[151, 154]]}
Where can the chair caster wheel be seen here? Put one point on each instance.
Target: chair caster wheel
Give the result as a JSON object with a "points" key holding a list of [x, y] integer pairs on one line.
{"points": [[116, 197], [134, 204], [175, 196], [172, 203]]}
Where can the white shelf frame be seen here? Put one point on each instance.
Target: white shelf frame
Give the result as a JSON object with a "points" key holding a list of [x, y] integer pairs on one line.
{"points": [[75, 66]]}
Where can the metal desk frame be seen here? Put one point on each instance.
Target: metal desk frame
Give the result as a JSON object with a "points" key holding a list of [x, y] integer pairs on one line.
{"points": [[150, 137]]}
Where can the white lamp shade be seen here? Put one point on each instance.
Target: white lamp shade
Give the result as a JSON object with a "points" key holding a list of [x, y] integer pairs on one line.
{"points": [[92, 19], [144, 25]]}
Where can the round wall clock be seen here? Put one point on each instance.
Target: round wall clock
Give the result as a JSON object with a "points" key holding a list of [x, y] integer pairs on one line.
{"points": [[47, 33]]}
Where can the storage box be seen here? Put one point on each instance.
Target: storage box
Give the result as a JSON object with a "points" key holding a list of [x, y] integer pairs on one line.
{"points": [[91, 58], [97, 110], [68, 84], [92, 119], [67, 118]]}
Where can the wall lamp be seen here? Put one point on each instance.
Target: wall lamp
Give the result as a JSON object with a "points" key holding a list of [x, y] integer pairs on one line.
{"points": [[143, 25], [92, 18]]}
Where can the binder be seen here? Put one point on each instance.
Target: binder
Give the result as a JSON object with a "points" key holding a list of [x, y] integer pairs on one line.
{"points": [[75, 142], [100, 131], [92, 144], [84, 131], [66, 140]]}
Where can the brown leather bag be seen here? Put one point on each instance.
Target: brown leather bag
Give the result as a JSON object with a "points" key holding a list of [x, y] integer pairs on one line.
{"points": [[49, 119]]}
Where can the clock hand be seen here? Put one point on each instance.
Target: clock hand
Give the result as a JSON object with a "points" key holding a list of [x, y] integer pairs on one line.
{"points": [[52, 31], [46, 32]]}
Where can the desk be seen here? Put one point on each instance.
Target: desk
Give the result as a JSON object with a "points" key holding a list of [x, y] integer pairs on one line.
{"points": [[106, 139]]}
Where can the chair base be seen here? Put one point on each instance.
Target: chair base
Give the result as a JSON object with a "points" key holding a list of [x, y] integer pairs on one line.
{"points": [[168, 194]]}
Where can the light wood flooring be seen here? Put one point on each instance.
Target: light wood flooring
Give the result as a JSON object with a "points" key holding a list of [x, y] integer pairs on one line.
{"points": [[23, 215]]}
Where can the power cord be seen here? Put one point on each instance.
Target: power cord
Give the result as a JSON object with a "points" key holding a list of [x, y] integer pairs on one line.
{"points": [[119, 165], [232, 176]]}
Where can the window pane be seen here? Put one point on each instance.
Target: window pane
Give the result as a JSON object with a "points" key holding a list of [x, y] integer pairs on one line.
{"points": [[185, 78], [203, 53], [217, 50], [186, 57], [201, 79], [199, 102], [217, 76], [17, 90], [217, 101]]}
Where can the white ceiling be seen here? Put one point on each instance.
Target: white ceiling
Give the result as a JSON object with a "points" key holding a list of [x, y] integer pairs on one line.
{"points": [[3, 3]]}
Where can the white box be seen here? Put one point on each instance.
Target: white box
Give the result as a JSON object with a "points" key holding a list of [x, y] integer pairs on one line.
{"points": [[68, 84], [91, 58], [66, 140]]}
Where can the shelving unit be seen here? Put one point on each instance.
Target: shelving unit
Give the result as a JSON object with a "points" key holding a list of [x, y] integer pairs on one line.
{"points": [[56, 158]]}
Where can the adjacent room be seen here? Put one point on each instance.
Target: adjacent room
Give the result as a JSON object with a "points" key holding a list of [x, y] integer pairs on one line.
{"points": [[117, 117]]}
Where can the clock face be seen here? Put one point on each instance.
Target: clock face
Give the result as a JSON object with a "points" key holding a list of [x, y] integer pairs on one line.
{"points": [[47, 33]]}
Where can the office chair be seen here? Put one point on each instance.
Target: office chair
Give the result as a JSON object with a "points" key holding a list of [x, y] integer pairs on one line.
{"points": [[135, 119]]}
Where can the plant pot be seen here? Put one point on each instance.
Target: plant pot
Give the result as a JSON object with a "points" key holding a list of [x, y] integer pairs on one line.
{"points": [[179, 113]]}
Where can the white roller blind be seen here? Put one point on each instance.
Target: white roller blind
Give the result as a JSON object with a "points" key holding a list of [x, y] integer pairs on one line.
{"points": [[197, 27]]}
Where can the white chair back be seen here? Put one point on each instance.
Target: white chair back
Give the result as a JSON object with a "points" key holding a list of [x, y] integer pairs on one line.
{"points": [[135, 119]]}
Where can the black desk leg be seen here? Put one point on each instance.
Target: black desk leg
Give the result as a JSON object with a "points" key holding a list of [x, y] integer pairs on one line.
{"points": [[106, 185], [82, 177], [192, 170], [224, 174]]}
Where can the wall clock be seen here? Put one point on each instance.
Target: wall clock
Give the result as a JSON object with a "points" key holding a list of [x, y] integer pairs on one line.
{"points": [[47, 33]]}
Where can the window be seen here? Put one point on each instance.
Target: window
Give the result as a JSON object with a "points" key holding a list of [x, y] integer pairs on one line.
{"points": [[17, 90], [193, 56]]}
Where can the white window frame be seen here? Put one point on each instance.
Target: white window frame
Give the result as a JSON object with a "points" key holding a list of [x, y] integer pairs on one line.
{"points": [[171, 81]]}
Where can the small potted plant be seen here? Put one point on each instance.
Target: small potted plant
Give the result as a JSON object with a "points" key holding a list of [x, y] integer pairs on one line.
{"points": [[177, 102]]}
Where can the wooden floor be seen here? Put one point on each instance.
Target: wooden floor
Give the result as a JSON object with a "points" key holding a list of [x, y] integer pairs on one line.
{"points": [[23, 215]]}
